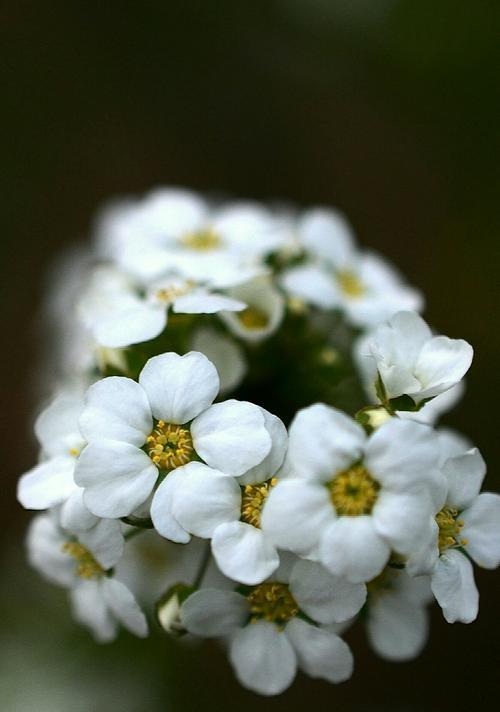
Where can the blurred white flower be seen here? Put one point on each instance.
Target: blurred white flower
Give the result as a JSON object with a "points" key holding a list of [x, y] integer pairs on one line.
{"points": [[172, 229], [98, 601], [336, 275]]}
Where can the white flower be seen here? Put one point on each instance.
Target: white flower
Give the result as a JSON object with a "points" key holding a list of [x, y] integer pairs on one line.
{"points": [[350, 499], [268, 640], [410, 361], [226, 355], [117, 315], [397, 621], [467, 527], [176, 229], [264, 312], [99, 602], [208, 504], [136, 431], [338, 276], [428, 413], [51, 482]]}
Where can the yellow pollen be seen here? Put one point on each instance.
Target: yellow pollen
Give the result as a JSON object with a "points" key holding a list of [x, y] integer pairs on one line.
{"points": [[252, 501], [253, 318], [201, 240], [170, 294], [353, 492], [449, 528], [272, 602], [86, 566], [74, 452], [170, 446], [350, 284]]}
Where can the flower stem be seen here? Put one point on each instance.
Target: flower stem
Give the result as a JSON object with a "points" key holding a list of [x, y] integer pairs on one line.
{"points": [[205, 560]]}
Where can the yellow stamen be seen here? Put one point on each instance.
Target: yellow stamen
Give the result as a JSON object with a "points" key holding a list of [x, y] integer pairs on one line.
{"points": [[353, 491], [252, 501], [201, 240], [170, 446], [74, 452], [272, 602], [449, 528], [350, 284], [86, 566], [167, 295], [253, 318]]}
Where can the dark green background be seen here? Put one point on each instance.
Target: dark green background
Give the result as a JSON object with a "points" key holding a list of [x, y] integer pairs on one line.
{"points": [[388, 109]]}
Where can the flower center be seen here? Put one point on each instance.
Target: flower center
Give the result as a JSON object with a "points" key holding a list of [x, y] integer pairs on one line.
{"points": [[170, 446], [201, 240], [253, 318], [449, 529], [252, 501], [354, 491], [272, 602], [86, 566], [167, 295], [350, 284]]}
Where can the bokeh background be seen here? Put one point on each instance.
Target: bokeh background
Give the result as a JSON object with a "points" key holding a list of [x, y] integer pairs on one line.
{"points": [[388, 109]]}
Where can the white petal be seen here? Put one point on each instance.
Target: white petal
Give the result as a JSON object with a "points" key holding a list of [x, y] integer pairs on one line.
{"points": [[131, 324], [57, 426], [401, 519], [47, 484], [75, 517], [403, 455], [225, 354], [231, 436], [320, 653], [327, 235], [161, 509], [124, 607], [322, 441], [45, 552], [105, 541], [179, 387], [482, 530], [116, 408], [117, 478], [204, 498], [89, 608], [313, 284], [273, 461], [350, 547], [295, 515], [243, 553], [454, 587], [324, 597], [201, 302], [211, 613], [263, 658], [464, 474], [397, 628], [424, 558], [442, 363]]}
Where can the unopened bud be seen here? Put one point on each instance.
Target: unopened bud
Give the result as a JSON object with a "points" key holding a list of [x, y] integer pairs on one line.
{"points": [[168, 609], [372, 417]]}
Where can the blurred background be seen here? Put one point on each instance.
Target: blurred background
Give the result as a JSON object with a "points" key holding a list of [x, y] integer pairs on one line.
{"points": [[388, 109]]}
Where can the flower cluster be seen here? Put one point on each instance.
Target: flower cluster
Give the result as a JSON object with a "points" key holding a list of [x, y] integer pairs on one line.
{"points": [[162, 488]]}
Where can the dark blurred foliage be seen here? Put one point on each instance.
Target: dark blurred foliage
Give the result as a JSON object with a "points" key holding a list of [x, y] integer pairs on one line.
{"points": [[389, 110]]}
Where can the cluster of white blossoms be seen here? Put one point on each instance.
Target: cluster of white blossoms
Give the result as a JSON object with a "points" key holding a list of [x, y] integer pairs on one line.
{"points": [[165, 494]]}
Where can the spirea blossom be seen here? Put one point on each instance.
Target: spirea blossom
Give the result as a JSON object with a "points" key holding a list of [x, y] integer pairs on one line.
{"points": [[237, 438]]}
